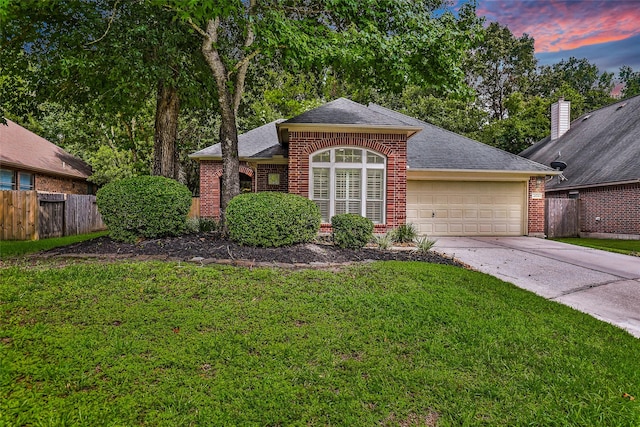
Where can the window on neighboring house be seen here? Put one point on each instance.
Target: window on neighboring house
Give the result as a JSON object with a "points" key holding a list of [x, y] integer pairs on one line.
{"points": [[12, 180], [7, 179], [348, 180], [25, 180]]}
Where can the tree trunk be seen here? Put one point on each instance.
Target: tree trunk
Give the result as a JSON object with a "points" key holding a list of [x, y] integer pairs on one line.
{"points": [[166, 131]]}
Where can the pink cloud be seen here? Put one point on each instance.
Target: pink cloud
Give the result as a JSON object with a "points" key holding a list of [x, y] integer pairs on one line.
{"points": [[565, 24]]}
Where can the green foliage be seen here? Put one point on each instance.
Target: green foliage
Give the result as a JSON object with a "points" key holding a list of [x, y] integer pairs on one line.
{"points": [[351, 231], [384, 241], [272, 219], [630, 80], [424, 244], [404, 233], [145, 206], [201, 225]]}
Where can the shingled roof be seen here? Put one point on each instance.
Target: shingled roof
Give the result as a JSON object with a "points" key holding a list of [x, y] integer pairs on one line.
{"points": [[23, 149], [601, 148], [258, 143], [430, 147], [437, 148], [343, 111]]}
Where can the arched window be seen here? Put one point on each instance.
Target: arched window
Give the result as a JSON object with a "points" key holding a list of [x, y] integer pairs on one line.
{"points": [[348, 180]]}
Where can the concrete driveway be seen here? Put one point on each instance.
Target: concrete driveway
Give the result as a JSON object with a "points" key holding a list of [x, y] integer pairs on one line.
{"points": [[603, 284]]}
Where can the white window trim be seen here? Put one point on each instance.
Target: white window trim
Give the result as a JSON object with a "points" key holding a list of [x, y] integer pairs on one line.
{"points": [[363, 166]]}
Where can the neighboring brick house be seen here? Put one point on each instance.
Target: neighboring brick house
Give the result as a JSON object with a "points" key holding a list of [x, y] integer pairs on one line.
{"points": [[388, 167], [599, 153], [30, 162]]}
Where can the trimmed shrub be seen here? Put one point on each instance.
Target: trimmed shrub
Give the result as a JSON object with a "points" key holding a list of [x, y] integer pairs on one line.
{"points": [[272, 219], [144, 206], [351, 231]]}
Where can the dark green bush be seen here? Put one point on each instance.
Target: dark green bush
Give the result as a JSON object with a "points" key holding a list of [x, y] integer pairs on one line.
{"points": [[144, 206], [272, 219], [404, 233], [351, 231]]}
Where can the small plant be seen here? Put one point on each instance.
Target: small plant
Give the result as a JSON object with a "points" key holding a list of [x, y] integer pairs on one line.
{"points": [[351, 231], [405, 233], [272, 219], [384, 241], [144, 206], [208, 225], [423, 244], [192, 225]]}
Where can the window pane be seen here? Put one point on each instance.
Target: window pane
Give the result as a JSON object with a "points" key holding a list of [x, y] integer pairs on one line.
{"points": [[348, 155], [26, 182], [324, 156], [374, 211], [374, 158], [7, 180], [323, 205], [320, 184], [348, 184], [375, 184]]}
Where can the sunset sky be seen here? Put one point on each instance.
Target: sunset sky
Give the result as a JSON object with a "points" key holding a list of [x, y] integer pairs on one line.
{"points": [[606, 32]]}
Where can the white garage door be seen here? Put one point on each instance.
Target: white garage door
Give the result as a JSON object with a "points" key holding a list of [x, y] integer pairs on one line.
{"points": [[451, 208]]}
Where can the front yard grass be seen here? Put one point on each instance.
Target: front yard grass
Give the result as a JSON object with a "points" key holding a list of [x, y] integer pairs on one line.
{"points": [[379, 344], [628, 247], [13, 248]]}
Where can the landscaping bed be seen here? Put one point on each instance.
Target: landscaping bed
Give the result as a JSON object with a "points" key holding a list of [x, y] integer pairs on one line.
{"points": [[208, 246]]}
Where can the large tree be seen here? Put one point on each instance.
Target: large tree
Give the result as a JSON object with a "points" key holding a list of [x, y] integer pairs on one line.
{"points": [[499, 66], [382, 43], [109, 56]]}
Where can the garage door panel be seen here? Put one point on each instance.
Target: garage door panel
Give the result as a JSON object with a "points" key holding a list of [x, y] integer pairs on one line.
{"points": [[466, 208]]}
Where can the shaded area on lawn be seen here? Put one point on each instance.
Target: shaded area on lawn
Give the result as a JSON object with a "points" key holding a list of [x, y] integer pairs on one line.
{"points": [[209, 246], [627, 247]]}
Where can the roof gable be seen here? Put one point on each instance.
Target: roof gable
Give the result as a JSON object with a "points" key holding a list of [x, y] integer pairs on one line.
{"points": [[601, 147], [23, 149]]}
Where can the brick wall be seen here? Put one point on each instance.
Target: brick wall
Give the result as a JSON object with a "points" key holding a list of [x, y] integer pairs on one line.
{"points": [[393, 146], [262, 178], [616, 206], [536, 215], [54, 184], [210, 173]]}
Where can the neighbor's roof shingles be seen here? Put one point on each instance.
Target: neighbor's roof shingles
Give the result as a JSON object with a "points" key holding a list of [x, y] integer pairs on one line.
{"points": [[23, 149], [601, 147]]}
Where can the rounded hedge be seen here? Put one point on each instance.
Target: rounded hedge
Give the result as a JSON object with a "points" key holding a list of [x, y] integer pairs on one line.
{"points": [[351, 231], [144, 206], [272, 219]]}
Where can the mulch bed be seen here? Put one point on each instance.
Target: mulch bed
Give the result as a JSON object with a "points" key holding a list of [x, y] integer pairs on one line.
{"points": [[209, 248]]}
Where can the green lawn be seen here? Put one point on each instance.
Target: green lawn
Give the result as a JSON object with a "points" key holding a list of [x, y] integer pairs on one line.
{"points": [[628, 247], [12, 248], [164, 344]]}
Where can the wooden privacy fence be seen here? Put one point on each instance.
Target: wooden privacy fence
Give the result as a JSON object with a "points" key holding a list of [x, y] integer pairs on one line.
{"points": [[562, 218], [194, 211], [28, 215]]}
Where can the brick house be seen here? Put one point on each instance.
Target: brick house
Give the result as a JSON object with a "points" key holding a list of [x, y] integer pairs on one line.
{"points": [[30, 162], [388, 167], [599, 154]]}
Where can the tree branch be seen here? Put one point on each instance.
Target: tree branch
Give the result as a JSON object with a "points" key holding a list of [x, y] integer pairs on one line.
{"points": [[113, 15], [242, 66]]}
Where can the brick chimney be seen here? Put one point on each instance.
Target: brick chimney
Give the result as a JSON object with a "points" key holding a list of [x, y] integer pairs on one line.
{"points": [[560, 118]]}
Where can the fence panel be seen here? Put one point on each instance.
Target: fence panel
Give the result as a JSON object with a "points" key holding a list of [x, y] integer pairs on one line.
{"points": [[562, 217], [18, 215], [81, 215], [194, 212], [52, 215]]}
